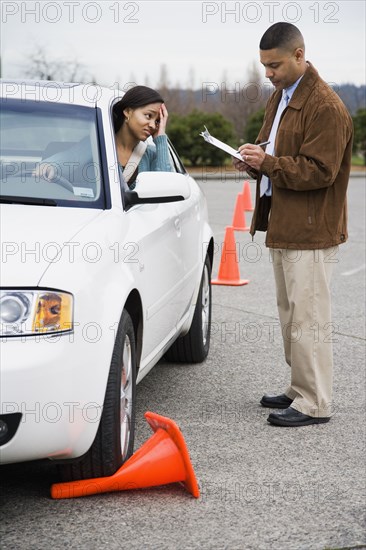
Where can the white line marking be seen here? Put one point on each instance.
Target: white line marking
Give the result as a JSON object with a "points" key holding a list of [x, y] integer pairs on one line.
{"points": [[354, 271]]}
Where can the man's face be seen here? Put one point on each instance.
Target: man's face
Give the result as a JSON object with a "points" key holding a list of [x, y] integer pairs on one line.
{"points": [[283, 68]]}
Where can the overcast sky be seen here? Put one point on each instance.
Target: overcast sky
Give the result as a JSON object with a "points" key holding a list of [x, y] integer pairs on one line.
{"points": [[197, 41]]}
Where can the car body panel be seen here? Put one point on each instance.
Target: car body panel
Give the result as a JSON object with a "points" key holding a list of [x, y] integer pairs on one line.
{"points": [[102, 257], [37, 244]]}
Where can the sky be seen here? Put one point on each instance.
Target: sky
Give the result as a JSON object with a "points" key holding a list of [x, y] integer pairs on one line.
{"points": [[197, 42]]}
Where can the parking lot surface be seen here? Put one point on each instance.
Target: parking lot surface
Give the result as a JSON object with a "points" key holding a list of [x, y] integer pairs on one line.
{"points": [[262, 487]]}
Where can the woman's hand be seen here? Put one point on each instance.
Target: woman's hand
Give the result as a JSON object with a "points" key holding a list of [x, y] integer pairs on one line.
{"points": [[45, 170], [162, 122]]}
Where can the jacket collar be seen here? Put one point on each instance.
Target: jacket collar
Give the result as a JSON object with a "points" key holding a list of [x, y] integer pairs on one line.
{"points": [[305, 87], [303, 90]]}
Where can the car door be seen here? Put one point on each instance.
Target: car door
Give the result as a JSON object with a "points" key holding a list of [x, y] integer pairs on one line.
{"points": [[153, 235], [189, 239]]}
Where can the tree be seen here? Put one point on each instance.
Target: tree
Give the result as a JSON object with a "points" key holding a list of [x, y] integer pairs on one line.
{"points": [[40, 66], [253, 126], [236, 101], [359, 122], [184, 132], [163, 84]]}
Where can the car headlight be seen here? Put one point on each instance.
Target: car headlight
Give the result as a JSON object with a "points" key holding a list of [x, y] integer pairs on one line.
{"points": [[27, 312]]}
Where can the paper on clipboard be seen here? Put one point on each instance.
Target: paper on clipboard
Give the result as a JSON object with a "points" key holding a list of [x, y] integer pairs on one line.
{"points": [[220, 144]]}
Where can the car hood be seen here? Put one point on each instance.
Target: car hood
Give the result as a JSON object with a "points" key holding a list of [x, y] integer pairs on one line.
{"points": [[33, 237]]}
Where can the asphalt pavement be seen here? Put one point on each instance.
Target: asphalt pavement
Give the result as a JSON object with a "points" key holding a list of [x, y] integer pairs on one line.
{"points": [[262, 487]]}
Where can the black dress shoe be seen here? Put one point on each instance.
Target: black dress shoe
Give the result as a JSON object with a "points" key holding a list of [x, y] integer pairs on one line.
{"points": [[276, 401], [292, 417]]}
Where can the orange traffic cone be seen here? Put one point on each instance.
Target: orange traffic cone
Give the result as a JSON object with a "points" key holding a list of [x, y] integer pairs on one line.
{"points": [[229, 268], [247, 200], [162, 459], [239, 215]]}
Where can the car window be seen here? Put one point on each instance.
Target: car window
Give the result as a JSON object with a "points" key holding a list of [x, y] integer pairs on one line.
{"points": [[62, 136], [175, 161]]}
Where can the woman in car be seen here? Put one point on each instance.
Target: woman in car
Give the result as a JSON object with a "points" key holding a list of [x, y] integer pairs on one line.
{"points": [[141, 113]]}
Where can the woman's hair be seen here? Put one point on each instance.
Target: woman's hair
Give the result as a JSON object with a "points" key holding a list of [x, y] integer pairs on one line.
{"points": [[135, 97]]}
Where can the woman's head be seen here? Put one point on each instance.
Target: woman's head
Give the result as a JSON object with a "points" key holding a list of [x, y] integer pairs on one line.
{"points": [[135, 98]]}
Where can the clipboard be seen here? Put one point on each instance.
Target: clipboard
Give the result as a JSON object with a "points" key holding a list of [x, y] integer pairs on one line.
{"points": [[220, 144]]}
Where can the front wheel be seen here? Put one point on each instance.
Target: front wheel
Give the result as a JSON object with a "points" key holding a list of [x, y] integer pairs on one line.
{"points": [[114, 441], [195, 345]]}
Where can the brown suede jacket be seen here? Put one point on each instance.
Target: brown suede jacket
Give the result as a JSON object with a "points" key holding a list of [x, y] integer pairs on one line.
{"points": [[310, 172]]}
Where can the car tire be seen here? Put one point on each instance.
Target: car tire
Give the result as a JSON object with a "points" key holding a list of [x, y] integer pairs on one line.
{"points": [[114, 441], [195, 345]]}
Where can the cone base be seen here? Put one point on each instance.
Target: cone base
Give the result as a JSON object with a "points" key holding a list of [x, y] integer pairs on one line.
{"points": [[157, 421], [233, 282], [163, 459]]}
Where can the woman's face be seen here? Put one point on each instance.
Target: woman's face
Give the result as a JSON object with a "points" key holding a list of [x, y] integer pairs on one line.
{"points": [[143, 122]]}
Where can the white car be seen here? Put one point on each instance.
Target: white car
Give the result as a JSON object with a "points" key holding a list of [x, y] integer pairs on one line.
{"points": [[98, 281]]}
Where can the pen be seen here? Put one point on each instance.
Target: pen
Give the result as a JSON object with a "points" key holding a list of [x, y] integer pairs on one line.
{"points": [[260, 144]]}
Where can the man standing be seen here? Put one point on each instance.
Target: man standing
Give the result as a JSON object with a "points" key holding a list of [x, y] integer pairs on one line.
{"points": [[302, 179]]}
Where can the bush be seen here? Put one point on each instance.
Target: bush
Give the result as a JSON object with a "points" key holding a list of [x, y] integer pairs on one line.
{"points": [[359, 143], [254, 125], [184, 132]]}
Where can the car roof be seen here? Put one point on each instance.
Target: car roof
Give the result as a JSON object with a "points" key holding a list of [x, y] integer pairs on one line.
{"points": [[85, 94]]}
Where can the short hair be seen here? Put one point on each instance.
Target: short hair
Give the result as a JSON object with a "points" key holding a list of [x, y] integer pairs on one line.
{"points": [[282, 35], [135, 97]]}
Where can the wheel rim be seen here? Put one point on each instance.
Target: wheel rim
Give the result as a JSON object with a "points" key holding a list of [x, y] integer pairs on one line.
{"points": [[126, 397], [205, 305]]}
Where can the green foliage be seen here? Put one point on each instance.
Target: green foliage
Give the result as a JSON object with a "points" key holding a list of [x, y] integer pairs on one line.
{"points": [[359, 122], [254, 124], [184, 132], [357, 160]]}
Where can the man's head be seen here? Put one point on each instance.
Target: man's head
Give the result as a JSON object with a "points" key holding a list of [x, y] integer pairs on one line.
{"points": [[282, 53]]}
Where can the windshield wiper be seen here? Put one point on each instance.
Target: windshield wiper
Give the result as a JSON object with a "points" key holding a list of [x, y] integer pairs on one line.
{"points": [[8, 199]]}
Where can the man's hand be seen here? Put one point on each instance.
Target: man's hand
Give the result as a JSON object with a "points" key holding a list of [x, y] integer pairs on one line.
{"points": [[240, 165], [252, 155]]}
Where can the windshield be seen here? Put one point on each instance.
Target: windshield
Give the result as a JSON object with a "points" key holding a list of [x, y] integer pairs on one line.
{"points": [[49, 154]]}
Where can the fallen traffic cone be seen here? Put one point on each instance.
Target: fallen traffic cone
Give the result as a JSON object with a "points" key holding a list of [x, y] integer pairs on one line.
{"points": [[162, 459], [247, 199], [229, 267], [239, 215]]}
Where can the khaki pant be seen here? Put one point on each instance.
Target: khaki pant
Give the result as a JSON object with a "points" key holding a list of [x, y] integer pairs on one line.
{"points": [[304, 306]]}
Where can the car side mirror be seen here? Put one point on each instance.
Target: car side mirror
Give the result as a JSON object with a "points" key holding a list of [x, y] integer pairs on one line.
{"points": [[158, 187]]}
